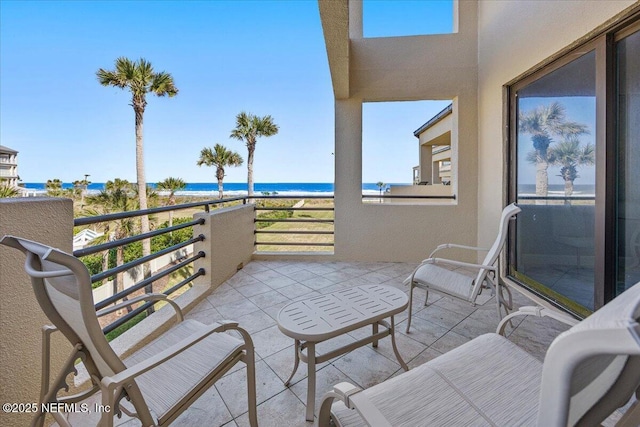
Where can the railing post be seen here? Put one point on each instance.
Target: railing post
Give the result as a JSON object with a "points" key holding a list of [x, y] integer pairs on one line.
{"points": [[50, 221], [228, 243]]}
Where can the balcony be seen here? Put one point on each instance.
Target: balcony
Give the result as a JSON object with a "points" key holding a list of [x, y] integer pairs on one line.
{"points": [[254, 295], [233, 281]]}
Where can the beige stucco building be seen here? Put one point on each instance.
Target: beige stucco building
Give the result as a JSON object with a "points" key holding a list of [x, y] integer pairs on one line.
{"points": [[434, 145], [9, 166], [432, 176], [572, 51]]}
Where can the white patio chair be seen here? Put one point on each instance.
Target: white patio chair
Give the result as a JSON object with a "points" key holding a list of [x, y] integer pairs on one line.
{"points": [[463, 280], [161, 380], [589, 372]]}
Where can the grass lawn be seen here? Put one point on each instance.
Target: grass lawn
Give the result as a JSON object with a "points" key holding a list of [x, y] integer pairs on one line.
{"points": [[296, 226]]}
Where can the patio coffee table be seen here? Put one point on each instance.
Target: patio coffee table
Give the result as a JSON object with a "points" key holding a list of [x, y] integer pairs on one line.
{"points": [[318, 319]]}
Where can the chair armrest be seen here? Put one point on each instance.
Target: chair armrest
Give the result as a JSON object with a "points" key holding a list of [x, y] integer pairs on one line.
{"points": [[145, 297], [161, 357], [453, 245], [537, 311], [409, 279], [352, 397], [458, 263]]}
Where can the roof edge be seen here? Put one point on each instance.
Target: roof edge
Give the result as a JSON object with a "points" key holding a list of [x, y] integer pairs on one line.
{"points": [[435, 119]]}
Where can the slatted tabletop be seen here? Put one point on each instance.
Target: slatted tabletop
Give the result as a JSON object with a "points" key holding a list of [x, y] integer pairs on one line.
{"points": [[327, 316]]}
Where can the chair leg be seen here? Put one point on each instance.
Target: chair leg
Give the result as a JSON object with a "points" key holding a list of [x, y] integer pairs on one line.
{"points": [[426, 296], [108, 401], [251, 387], [501, 302], [411, 286]]}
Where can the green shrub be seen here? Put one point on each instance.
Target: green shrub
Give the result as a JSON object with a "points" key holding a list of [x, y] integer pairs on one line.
{"points": [[272, 215], [125, 327]]}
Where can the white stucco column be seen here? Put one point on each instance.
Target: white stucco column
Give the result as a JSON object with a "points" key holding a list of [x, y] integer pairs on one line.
{"points": [[426, 163], [228, 243], [49, 221], [348, 179]]}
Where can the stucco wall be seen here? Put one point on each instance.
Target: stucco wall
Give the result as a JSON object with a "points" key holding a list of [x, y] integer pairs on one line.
{"points": [[403, 68], [418, 190], [514, 36], [228, 243], [49, 221]]}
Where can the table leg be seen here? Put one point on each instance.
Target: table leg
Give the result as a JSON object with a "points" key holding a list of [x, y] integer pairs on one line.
{"points": [[393, 344], [296, 348], [375, 331], [311, 379]]}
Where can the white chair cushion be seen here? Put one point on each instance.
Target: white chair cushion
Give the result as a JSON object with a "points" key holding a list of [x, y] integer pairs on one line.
{"points": [[488, 381], [457, 282], [164, 385]]}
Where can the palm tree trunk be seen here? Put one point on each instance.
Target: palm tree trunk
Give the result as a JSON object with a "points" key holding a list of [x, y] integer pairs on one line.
{"points": [[220, 178], [250, 169], [542, 178], [119, 276], [568, 187], [172, 202], [142, 191], [105, 260]]}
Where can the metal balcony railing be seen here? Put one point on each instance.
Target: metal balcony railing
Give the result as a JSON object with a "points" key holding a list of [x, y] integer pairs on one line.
{"points": [[110, 245], [299, 226], [311, 222], [402, 196], [555, 198]]}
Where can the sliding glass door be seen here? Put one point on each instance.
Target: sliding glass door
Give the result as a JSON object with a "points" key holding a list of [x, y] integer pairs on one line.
{"points": [[574, 142], [628, 200], [555, 132]]}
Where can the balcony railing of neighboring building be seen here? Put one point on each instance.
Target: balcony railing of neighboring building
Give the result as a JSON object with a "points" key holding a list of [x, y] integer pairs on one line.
{"points": [[326, 235], [402, 196], [416, 175], [440, 149]]}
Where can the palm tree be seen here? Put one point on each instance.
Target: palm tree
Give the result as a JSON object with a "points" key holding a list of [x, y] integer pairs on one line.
{"points": [[248, 129], [543, 123], [570, 154], [380, 186], [140, 78], [171, 185], [54, 188], [7, 191], [220, 157], [80, 188]]}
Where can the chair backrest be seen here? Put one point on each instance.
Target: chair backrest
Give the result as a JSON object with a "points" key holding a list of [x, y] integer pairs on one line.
{"points": [[62, 287], [492, 255], [593, 368]]}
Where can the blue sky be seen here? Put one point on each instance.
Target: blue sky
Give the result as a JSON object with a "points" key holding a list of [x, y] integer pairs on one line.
{"points": [[264, 57]]}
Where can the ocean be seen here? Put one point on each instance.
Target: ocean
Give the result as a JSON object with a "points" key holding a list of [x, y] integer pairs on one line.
{"points": [[236, 188]]}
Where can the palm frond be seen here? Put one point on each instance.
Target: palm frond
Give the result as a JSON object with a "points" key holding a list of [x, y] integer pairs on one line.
{"points": [[139, 77]]}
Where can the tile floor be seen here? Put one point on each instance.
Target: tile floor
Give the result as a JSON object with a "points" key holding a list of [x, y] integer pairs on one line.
{"points": [[255, 294], [253, 298]]}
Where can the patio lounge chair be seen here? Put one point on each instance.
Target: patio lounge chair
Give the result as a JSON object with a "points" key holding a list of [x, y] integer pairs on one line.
{"points": [[161, 380], [589, 372], [463, 280]]}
